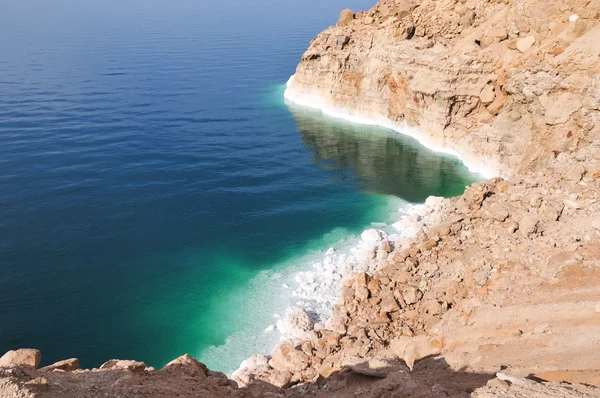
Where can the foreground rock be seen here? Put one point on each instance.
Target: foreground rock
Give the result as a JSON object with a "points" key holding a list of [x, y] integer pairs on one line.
{"points": [[182, 377], [23, 357]]}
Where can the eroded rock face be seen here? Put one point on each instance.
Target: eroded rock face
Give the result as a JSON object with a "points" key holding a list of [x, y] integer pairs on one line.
{"points": [[487, 79]]}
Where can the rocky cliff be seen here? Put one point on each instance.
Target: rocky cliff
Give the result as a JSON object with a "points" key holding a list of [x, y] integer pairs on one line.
{"points": [[497, 293], [509, 85]]}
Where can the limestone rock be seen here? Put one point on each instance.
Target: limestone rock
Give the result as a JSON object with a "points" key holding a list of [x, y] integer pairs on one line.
{"points": [[281, 379], [528, 225], [411, 349], [346, 16], [299, 324], [560, 107], [411, 294], [188, 365], [118, 364], [487, 94], [525, 43], [389, 303], [39, 383], [371, 236], [22, 357], [288, 358], [67, 365]]}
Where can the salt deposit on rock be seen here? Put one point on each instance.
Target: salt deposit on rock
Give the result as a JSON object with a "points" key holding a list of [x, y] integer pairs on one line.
{"points": [[371, 236], [299, 324]]}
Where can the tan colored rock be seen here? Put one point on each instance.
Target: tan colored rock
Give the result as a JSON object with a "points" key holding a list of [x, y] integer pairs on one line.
{"points": [[411, 294], [67, 365], [560, 107], [188, 365], [281, 379], [498, 384], [487, 94], [389, 303], [411, 349], [346, 16], [21, 357], [118, 364], [375, 367], [525, 43], [39, 383], [528, 225], [288, 358]]}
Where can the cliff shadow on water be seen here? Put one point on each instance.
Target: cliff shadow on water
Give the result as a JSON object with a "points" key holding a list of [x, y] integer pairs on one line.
{"points": [[381, 160]]}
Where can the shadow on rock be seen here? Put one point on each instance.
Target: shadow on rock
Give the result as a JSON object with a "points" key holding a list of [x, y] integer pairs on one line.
{"points": [[431, 377]]}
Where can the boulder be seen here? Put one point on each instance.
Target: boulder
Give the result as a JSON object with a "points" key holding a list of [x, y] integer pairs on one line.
{"points": [[411, 294], [346, 16], [525, 43], [560, 107], [371, 236], [39, 383], [289, 359], [118, 364], [22, 357], [67, 365], [361, 290], [188, 365], [299, 324], [487, 94], [255, 361], [493, 35], [528, 225], [411, 349], [281, 379], [389, 303]]}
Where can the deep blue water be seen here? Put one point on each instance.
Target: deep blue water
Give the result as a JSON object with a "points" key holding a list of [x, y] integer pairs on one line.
{"points": [[149, 169]]}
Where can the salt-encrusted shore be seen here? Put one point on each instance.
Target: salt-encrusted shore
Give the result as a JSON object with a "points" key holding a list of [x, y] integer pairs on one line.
{"points": [[319, 289], [316, 101]]}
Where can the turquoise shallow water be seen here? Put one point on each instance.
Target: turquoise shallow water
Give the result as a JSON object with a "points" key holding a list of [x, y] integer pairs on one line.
{"points": [[154, 186]]}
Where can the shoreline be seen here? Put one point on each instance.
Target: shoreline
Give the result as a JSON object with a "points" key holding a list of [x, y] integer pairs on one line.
{"points": [[317, 102], [317, 300], [319, 288]]}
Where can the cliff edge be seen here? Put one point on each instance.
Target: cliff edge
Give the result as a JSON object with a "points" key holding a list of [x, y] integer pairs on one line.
{"points": [[510, 86]]}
